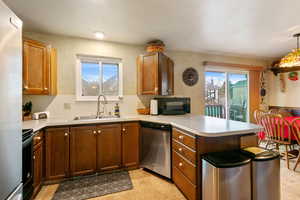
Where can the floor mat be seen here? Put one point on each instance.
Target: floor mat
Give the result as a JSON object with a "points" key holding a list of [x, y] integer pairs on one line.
{"points": [[94, 186]]}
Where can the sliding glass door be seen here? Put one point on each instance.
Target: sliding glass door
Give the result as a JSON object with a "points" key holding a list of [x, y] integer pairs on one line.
{"points": [[226, 95]]}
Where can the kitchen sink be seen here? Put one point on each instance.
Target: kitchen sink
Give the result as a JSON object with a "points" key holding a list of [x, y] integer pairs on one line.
{"points": [[94, 117]]}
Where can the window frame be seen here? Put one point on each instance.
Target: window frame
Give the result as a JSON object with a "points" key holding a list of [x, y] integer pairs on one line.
{"points": [[99, 60], [227, 72]]}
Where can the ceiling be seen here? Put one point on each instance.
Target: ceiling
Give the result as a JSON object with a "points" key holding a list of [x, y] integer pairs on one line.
{"points": [[261, 28]]}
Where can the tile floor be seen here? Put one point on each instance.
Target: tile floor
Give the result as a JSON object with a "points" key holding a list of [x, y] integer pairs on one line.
{"points": [[149, 187]]}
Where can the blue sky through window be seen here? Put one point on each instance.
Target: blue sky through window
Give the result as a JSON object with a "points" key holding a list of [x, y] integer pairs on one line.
{"points": [[90, 71]]}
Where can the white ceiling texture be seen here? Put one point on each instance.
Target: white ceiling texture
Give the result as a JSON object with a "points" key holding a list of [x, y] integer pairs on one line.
{"points": [[262, 28]]}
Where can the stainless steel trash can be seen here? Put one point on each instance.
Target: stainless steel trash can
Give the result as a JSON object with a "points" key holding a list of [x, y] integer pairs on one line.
{"points": [[265, 173], [226, 176]]}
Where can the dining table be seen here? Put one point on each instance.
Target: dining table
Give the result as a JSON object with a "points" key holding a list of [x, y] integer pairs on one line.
{"points": [[290, 119]]}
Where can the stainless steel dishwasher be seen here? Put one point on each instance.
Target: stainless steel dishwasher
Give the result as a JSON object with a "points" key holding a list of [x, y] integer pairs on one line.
{"points": [[156, 148]]}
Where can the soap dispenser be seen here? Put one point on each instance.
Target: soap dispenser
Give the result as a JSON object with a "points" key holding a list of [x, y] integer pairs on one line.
{"points": [[117, 110]]}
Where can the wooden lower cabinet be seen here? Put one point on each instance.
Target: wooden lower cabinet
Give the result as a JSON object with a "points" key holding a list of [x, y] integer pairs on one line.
{"points": [[57, 153], [83, 148], [109, 143], [130, 144], [37, 167], [187, 188]]}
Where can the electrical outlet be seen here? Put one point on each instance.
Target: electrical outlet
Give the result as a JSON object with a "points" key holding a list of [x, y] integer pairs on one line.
{"points": [[67, 106]]}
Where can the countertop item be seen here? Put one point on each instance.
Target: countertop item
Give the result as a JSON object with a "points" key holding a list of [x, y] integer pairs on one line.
{"points": [[196, 124]]}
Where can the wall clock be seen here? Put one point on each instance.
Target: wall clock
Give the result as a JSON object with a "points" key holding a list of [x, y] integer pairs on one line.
{"points": [[190, 76]]}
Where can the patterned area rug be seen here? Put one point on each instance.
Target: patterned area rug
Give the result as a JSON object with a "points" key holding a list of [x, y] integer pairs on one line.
{"points": [[95, 186]]}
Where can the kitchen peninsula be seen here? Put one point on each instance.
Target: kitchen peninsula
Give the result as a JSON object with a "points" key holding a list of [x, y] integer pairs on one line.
{"points": [[192, 136]]}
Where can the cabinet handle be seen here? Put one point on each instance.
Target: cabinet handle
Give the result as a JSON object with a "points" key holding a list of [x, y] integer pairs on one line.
{"points": [[180, 164], [66, 134], [181, 137], [180, 149], [99, 131]]}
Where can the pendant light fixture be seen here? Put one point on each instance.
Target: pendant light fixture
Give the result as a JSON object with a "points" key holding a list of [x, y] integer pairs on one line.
{"points": [[293, 58]]}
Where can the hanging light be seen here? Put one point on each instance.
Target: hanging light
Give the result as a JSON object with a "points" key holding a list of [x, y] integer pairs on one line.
{"points": [[293, 58]]}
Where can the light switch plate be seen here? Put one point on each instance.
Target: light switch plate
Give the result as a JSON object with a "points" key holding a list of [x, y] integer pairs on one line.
{"points": [[67, 106]]}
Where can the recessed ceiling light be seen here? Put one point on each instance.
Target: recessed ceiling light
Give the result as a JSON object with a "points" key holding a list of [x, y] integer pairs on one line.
{"points": [[99, 35]]}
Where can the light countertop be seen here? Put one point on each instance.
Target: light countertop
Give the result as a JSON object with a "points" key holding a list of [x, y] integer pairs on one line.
{"points": [[196, 124]]}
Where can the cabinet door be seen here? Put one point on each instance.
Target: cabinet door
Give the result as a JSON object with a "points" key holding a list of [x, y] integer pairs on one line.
{"points": [[163, 74], [148, 74], [57, 153], [130, 144], [83, 150], [35, 68], [37, 167], [108, 147], [170, 89]]}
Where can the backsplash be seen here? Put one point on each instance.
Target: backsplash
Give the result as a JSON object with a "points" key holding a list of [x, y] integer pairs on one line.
{"points": [[66, 106]]}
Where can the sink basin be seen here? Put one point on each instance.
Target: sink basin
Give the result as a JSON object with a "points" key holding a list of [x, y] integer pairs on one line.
{"points": [[93, 117]]}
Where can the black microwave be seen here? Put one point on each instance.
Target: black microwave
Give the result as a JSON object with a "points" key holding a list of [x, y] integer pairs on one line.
{"points": [[173, 105]]}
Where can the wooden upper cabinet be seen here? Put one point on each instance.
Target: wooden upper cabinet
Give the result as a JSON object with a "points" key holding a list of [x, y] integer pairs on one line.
{"points": [[39, 68], [130, 144], [57, 153], [83, 148], [109, 147], [155, 74]]}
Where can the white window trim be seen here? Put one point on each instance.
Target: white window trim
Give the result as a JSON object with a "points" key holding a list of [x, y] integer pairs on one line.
{"points": [[100, 60], [228, 71]]}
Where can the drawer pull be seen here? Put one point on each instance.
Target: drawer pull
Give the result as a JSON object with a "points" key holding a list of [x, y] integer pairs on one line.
{"points": [[180, 164], [181, 137], [180, 149]]}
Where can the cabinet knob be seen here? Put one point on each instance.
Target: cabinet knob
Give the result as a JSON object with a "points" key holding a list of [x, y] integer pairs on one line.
{"points": [[37, 138], [95, 132], [25, 87], [181, 137], [99, 131], [45, 88], [66, 134], [33, 157], [156, 89], [180, 164], [180, 149], [123, 129]]}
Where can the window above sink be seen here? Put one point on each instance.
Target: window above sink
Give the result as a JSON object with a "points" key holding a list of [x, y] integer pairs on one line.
{"points": [[98, 75]]}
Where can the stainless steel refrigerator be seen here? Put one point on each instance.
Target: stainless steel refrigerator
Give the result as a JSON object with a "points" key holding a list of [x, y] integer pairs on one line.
{"points": [[10, 104]]}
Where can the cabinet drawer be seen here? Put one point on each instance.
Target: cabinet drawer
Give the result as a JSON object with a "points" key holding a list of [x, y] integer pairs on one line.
{"points": [[38, 138], [185, 167], [184, 151], [186, 187], [185, 139]]}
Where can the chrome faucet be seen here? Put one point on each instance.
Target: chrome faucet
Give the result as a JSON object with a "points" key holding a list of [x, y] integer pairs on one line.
{"points": [[98, 105]]}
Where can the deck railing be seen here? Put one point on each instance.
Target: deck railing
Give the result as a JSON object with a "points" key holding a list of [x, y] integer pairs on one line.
{"points": [[215, 110]]}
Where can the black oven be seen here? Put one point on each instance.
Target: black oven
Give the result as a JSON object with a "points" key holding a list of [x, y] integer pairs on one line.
{"points": [[173, 105], [27, 163]]}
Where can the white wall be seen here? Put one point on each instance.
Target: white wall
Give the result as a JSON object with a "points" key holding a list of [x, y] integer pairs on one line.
{"points": [[289, 98], [68, 47]]}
